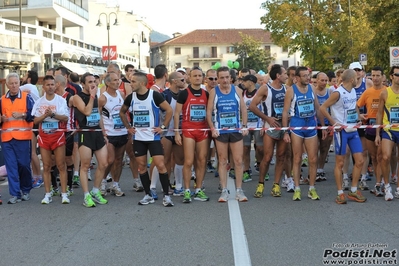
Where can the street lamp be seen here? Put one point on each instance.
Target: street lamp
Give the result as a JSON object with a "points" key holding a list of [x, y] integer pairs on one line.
{"points": [[339, 10], [139, 41], [108, 18]]}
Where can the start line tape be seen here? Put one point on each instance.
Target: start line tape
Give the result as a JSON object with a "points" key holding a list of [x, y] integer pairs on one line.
{"points": [[226, 129]]}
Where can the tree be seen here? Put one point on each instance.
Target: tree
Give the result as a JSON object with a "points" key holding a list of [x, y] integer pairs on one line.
{"points": [[251, 54]]}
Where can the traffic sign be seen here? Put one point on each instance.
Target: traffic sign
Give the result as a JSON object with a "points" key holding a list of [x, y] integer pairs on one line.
{"points": [[363, 59], [394, 55]]}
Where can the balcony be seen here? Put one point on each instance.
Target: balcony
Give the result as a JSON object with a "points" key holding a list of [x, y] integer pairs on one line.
{"points": [[204, 57], [12, 3], [73, 8]]}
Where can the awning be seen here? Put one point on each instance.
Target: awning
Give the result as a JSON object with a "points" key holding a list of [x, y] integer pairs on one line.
{"points": [[17, 56], [82, 68]]}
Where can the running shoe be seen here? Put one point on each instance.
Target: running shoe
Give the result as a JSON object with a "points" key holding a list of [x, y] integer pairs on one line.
{"points": [[25, 197], [363, 185], [75, 181], [137, 185], [304, 161], [290, 185], [331, 148], [210, 168], [146, 200], [65, 199], [224, 197], [323, 176], [103, 187], [388, 193], [69, 191], [256, 166], [259, 191], [154, 194], [273, 161], [232, 173], [89, 175], [297, 195], [216, 173], [397, 193], [312, 194], [276, 191], [267, 177], [187, 197], [167, 201], [193, 177], [318, 177], [394, 179], [37, 183], [108, 178], [178, 192], [116, 190], [220, 188], [378, 191], [340, 199], [284, 183], [200, 196], [246, 177], [303, 181], [345, 184], [14, 200], [356, 196], [98, 198], [370, 170], [88, 201], [47, 200], [54, 191], [240, 195]]}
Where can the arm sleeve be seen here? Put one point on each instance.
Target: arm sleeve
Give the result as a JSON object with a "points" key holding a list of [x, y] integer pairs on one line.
{"points": [[182, 98], [158, 98]]}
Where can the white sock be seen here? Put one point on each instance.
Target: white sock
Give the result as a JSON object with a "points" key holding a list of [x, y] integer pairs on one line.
{"points": [[154, 178], [116, 184], [178, 172], [353, 189], [340, 192], [363, 177], [48, 195], [76, 173], [345, 176]]}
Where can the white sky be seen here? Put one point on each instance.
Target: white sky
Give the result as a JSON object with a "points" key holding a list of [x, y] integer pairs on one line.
{"points": [[170, 16]]}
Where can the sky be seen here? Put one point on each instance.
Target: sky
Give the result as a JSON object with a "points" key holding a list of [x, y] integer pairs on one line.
{"points": [[170, 16]]}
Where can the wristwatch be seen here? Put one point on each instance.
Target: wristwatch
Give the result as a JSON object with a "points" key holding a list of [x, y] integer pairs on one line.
{"points": [[162, 127]]}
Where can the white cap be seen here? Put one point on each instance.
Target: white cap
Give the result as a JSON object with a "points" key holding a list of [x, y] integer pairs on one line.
{"points": [[355, 65], [181, 70]]}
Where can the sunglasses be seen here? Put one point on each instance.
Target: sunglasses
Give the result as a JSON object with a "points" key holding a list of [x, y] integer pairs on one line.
{"points": [[395, 74], [358, 70], [213, 79], [182, 80]]}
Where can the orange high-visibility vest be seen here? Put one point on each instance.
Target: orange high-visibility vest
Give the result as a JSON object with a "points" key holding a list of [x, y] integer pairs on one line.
{"points": [[7, 108]]}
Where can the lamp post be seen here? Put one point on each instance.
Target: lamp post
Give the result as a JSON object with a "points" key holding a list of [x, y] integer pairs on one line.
{"points": [[139, 41], [108, 18], [339, 10]]}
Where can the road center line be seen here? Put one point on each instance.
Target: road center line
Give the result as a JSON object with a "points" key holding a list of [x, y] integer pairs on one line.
{"points": [[238, 236]]}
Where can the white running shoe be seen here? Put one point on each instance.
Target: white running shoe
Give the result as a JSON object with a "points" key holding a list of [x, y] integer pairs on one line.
{"points": [[290, 185], [388, 193]]}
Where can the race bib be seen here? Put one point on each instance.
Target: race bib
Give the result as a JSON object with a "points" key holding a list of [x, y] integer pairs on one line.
{"points": [[118, 124], [197, 113], [394, 115], [252, 117], [351, 116], [141, 118], [49, 127], [278, 109], [305, 108], [228, 120], [93, 119]]}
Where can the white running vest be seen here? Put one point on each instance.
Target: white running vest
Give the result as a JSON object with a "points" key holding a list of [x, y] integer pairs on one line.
{"points": [[113, 124]]}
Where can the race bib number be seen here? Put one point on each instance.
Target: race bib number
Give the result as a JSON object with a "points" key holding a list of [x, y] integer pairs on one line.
{"points": [[351, 116], [252, 117], [49, 127], [141, 118], [305, 108], [118, 124], [197, 113], [228, 120], [278, 109], [394, 115], [93, 119]]}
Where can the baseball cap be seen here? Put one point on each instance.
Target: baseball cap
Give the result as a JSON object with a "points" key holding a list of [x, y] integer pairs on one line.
{"points": [[251, 78], [181, 70], [355, 65]]}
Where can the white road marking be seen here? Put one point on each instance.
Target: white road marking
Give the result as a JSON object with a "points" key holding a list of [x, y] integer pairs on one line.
{"points": [[4, 183], [238, 236]]}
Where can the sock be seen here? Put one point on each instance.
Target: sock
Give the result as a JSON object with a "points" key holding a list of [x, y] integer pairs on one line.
{"points": [[297, 188], [164, 178], [345, 176], [353, 189], [311, 187], [70, 175], [48, 195], [86, 193], [178, 172], [145, 180], [197, 190], [154, 178], [340, 192], [53, 177], [95, 190], [188, 190], [320, 170], [116, 184], [76, 173], [64, 195], [363, 177]]}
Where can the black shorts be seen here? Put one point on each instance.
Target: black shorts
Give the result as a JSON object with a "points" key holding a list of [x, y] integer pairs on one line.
{"points": [[140, 148], [361, 132], [117, 141], [36, 131], [370, 137], [69, 143], [171, 139], [230, 137], [91, 139]]}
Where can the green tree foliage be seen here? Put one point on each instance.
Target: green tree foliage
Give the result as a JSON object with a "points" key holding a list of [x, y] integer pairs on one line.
{"points": [[313, 27], [251, 54]]}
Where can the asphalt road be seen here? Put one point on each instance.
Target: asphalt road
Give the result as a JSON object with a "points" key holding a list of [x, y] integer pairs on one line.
{"points": [[267, 231]]}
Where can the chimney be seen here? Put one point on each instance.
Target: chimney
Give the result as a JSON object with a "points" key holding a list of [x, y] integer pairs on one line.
{"points": [[176, 34]]}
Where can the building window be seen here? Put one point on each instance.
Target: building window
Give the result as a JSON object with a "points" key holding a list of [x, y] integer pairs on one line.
{"points": [[177, 50], [214, 52], [196, 65], [267, 49], [285, 49], [178, 65], [195, 52], [285, 64], [12, 2], [229, 49]]}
